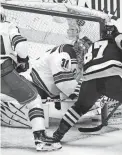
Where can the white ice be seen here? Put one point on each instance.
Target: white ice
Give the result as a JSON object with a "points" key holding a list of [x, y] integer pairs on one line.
{"points": [[108, 141]]}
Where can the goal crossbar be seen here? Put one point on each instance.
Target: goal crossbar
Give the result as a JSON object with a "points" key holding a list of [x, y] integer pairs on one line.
{"points": [[51, 12]]}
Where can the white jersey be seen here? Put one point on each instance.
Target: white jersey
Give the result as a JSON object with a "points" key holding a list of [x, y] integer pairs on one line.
{"points": [[54, 72], [10, 39]]}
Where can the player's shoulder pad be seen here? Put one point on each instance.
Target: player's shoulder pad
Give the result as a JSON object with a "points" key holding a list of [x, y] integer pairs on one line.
{"points": [[68, 49]]}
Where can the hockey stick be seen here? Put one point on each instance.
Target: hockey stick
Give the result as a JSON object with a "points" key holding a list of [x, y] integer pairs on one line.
{"points": [[56, 100], [99, 127]]}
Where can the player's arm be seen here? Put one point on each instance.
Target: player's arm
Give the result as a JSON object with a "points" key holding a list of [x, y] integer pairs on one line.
{"points": [[19, 44], [62, 73], [118, 40]]}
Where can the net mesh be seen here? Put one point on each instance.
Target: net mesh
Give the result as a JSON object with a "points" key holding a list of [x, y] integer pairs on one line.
{"points": [[45, 31]]}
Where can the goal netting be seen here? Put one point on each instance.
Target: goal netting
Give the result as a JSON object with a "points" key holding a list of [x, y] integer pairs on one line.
{"points": [[45, 28], [46, 25]]}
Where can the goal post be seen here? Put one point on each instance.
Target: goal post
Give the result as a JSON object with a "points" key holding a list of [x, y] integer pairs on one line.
{"points": [[80, 14]]}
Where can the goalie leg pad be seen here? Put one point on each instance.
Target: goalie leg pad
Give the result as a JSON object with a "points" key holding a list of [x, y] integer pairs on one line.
{"points": [[16, 86]]}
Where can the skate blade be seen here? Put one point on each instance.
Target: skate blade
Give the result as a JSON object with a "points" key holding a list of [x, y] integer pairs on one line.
{"points": [[48, 146]]}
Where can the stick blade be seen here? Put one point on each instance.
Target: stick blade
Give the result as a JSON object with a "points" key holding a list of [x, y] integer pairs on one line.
{"points": [[94, 129]]}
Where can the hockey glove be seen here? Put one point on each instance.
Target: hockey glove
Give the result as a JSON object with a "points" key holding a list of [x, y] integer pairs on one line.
{"points": [[57, 104], [73, 96], [23, 64]]}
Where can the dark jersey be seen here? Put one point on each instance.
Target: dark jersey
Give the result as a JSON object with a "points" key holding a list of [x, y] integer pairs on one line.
{"points": [[104, 58]]}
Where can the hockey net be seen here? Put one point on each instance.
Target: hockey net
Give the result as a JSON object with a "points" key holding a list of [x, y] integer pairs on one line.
{"points": [[46, 25]]}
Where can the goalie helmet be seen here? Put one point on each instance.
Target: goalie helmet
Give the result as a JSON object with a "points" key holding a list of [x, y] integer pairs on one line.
{"points": [[109, 32], [2, 15]]}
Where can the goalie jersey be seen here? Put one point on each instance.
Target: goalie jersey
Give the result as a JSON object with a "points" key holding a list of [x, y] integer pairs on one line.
{"points": [[54, 73], [103, 59], [10, 38]]}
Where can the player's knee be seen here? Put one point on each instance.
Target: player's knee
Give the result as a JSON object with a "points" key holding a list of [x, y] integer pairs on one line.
{"points": [[77, 109], [37, 103], [82, 107]]}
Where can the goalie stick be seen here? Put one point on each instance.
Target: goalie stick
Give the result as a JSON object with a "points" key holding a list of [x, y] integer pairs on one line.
{"points": [[99, 127]]}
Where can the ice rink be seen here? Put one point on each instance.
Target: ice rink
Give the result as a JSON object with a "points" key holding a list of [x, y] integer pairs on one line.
{"points": [[108, 141], [18, 141]]}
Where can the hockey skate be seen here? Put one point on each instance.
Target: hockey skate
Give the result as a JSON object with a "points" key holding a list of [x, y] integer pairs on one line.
{"points": [[58, 136], [61, 131], [45, 143]]}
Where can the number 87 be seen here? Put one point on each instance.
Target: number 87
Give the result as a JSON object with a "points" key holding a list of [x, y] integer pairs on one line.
{"points": [[100, 45]]}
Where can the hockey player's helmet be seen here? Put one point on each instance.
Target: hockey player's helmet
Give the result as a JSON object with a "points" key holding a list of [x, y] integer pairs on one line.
{"points": [[81, 47], [109, 32], [85, 42], [82, 44]]}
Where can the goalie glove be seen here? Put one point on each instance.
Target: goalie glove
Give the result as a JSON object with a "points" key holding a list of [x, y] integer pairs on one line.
{"points": [[23, 64], [75, 94]]}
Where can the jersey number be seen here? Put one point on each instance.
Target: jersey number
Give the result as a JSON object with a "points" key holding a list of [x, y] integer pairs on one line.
{"points": [[65, 63], [101, 45]]}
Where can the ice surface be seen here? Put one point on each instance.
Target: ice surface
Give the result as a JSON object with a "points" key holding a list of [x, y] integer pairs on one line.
{"points": [[108, 141]]}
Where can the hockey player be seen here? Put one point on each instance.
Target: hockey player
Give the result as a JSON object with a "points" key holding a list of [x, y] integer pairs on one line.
{"points": [[55, 72], [103, 72], [58, 71], [18, 87]]}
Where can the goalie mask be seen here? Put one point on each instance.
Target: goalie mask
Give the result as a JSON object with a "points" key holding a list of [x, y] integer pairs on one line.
{"points": [[109, 32]]}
